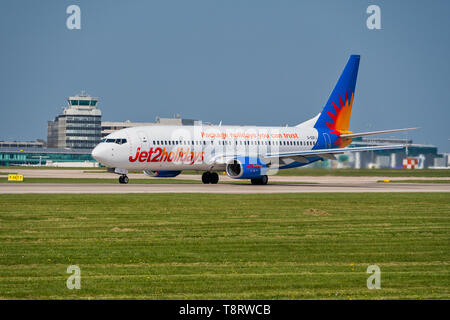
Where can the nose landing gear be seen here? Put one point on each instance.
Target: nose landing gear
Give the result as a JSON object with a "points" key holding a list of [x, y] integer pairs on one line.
{"points": [[210, 177], [123, 179]]}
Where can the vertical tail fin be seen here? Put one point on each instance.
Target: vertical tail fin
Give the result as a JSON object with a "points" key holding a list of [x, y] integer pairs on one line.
{"points": [[335, 116]]}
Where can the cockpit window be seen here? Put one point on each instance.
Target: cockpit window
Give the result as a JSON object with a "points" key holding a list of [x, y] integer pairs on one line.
{"points": [[121, 141], [118, 141]]}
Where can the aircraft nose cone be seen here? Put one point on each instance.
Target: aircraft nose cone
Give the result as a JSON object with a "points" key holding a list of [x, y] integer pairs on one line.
{"points": [[99, 153]]}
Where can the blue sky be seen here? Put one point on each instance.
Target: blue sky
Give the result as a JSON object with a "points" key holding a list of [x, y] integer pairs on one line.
{"points": [[240, 62]]}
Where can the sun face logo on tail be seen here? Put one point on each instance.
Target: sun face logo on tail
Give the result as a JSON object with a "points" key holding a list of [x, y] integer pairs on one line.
{"points": [[341, 116]]}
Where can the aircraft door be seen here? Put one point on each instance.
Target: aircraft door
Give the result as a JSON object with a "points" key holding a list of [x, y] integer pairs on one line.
{"points": [[143, 140], [144, 144]]}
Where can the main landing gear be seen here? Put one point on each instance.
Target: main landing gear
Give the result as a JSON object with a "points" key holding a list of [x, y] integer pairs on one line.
{"points": [[261, 181], [210, 177], [123, 179]]}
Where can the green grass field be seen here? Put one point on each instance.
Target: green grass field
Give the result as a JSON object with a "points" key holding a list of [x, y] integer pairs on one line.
{"points": [[192, 246]]}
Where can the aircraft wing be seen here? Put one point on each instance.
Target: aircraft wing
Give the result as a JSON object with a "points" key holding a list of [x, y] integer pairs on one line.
{"points": [[362, 134], [328, 153]]}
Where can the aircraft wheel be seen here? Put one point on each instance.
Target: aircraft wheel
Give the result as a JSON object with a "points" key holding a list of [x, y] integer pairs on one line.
{"points": [[260, 181], [264, 179], [123, 179], [214, 178], [206, 177]]}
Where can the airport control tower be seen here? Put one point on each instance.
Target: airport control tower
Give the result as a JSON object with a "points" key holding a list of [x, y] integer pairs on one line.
{"points": [[79, 125]]}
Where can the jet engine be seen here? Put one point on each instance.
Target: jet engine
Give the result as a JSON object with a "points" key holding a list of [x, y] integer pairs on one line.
{"points": [[246, 168]]}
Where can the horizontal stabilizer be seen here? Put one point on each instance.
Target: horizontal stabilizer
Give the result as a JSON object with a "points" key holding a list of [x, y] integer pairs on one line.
{"points": [[328, 152], [362, 134]]}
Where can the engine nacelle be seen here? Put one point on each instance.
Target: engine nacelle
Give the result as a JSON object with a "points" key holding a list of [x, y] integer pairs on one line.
{"points": [[246, 168], [161, 174]]}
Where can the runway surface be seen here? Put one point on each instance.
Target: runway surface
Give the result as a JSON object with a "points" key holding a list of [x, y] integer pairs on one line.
{"points": [[290, 184], [96, 174], [221, 188]]}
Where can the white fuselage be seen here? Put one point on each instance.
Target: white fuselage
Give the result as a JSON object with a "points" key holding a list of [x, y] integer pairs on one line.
{"points": [[197, 147]]}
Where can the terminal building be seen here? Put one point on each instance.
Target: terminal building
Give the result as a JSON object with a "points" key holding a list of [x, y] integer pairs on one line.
{"points": [[79, 125], [22, 144], [427, 155], [35, 156]]}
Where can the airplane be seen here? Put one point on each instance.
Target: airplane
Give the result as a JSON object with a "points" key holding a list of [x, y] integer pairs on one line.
{"points": [[242, 152]]}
